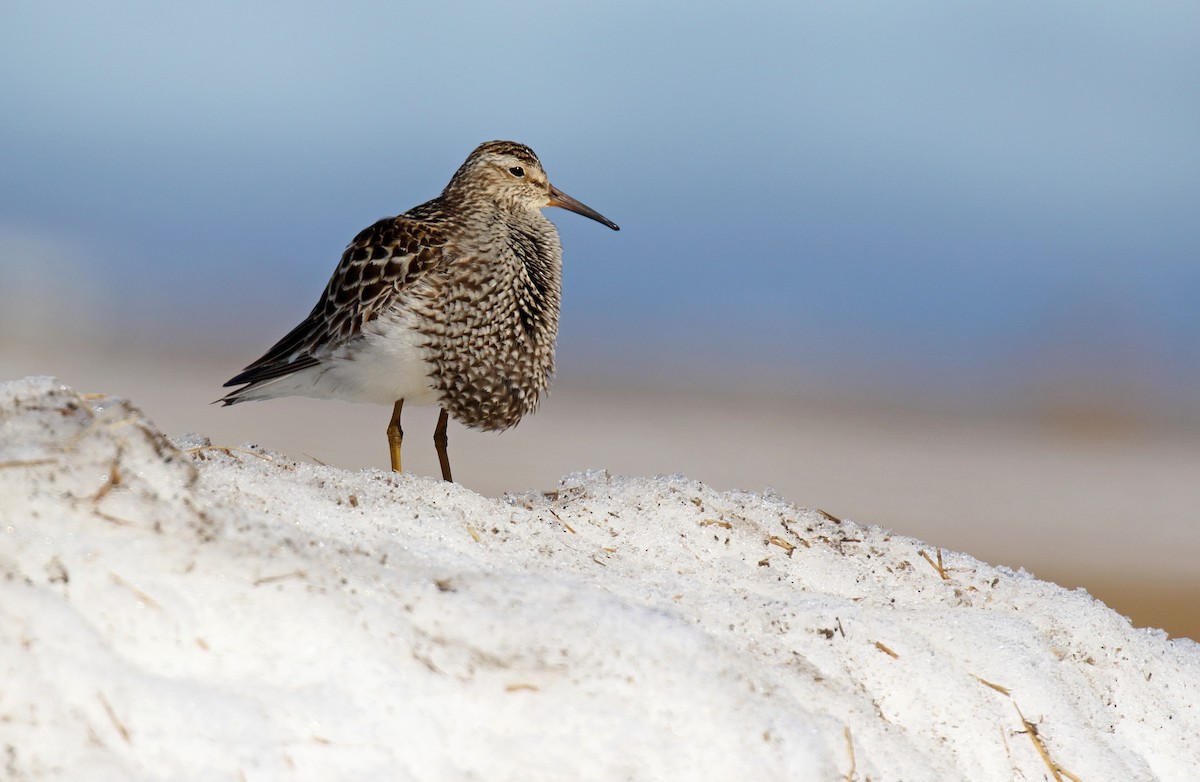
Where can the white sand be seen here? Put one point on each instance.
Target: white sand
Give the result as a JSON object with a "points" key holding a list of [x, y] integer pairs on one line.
{"points": [[1060, 504], [170, 611]]}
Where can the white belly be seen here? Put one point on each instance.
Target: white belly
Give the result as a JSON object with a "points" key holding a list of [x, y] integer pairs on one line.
{"points": [[383, 364]]}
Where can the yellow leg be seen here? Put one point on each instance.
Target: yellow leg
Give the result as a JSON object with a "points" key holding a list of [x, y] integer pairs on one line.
{"points": [[395, 435], [439, 442]]}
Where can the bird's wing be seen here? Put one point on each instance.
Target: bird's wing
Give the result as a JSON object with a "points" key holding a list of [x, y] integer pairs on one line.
{"points": [[376, 267]]}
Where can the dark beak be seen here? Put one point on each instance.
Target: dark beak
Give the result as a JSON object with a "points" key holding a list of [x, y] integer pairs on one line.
{"points": [[559, 198]]}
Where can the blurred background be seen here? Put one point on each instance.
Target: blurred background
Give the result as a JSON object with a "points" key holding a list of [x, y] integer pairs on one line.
{"points": [[930, 265]]}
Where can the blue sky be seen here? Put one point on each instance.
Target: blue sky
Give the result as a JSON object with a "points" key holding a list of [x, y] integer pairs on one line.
{"points": [[937, 190]]}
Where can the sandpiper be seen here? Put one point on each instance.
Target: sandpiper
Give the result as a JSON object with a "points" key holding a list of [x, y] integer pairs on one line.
{"points": [[453, 303]]}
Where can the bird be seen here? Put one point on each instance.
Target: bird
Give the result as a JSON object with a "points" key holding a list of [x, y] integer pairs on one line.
{"points": [[453, 303]]}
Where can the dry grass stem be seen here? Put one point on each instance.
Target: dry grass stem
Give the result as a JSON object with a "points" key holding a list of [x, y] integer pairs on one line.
{"points": [[280, 577], [112, 715], [227, 450], [997, 687], [1031, 730], [114, 480], [27, 462], [522, 687], [139, 594], [560, 521], [852, 774], [111, 519], [886, 650], [775, 540], [124, 422], [938, 566]]}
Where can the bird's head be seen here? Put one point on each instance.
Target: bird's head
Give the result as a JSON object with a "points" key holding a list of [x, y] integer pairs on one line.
{"points": [[510, 174]]}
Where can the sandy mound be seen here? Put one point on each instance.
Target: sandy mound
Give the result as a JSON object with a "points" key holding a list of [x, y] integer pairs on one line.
{"points": [[171, 610]]}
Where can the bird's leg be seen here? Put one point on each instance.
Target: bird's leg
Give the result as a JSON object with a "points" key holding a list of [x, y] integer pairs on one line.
{"points": [[395, 435], [439, 442]]}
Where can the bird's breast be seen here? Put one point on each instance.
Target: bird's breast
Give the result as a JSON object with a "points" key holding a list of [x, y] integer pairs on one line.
{"points": [[490, 326]]}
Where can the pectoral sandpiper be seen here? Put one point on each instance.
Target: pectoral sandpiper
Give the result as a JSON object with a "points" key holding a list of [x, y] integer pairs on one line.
{"points": [[453, 303]]}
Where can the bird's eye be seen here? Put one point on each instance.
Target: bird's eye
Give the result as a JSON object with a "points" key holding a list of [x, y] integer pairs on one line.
{"points": [[517, 171]]}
